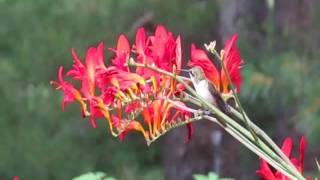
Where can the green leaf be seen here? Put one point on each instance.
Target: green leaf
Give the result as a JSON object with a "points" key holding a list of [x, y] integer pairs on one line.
{"points": [[94, 176], [210, 176]]}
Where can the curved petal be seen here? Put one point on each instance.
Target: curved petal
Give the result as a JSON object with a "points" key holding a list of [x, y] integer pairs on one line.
{"points": [[232, 62], [140, 44], [178, 55], [122, 53], [301, 152], [287, 146], [200, 58]]}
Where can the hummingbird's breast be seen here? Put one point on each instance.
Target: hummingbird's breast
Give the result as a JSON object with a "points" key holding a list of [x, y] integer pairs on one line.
{"points": [[202, 88]]}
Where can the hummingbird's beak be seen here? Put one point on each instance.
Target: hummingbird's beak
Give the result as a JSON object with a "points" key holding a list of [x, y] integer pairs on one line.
{"points": [[185, 70]]}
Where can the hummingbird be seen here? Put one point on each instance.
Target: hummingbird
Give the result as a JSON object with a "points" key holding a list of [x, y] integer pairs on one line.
{"points": [[206, 89]]}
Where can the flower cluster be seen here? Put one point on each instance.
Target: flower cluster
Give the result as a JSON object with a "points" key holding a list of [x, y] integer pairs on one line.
{"points": [[267, 173], [122, 93]]}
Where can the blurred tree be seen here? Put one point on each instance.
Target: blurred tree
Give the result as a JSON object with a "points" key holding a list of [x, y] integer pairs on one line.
{"points": [[293, 18], [246, 17]]}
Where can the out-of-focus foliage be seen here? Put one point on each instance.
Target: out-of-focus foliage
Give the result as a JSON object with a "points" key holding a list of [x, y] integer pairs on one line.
{"points": [[94, 176], [287, 80], [210, 176], [38, 140]]}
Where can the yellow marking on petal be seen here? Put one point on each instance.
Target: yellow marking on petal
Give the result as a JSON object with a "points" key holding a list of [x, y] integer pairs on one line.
{"points": [[119, 110], [165, 114], [79, 98], [138, 78], [138, 127], [147, 118], [115, 83], [106, 114], [154, 84], [121, 95], [172, 80], [163, 83], [132, 95], [156, 113]]}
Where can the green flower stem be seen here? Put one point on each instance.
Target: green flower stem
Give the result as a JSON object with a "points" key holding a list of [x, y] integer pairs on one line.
{"points": [[235, 94], [224, 117], [246, 119], [265, 137], [253, 147]]}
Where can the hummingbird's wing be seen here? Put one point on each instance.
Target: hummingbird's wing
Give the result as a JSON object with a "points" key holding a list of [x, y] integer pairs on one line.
{"points": [[220, 103]]}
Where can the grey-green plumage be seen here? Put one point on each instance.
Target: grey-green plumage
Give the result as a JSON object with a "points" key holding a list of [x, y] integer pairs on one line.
{"points": [[207, 90]]}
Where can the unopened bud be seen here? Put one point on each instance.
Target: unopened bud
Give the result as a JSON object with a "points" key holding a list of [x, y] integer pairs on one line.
{"points": [[211, 46], [222, 54]]}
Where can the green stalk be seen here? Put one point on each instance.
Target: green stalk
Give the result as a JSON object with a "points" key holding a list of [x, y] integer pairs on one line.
{"points": [[253, 147], [235, 94], [266, 138], [246, 119]]}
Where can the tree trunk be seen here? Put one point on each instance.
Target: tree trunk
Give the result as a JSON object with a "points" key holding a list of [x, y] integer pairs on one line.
{"points": [[245, 17], [293, 20]]}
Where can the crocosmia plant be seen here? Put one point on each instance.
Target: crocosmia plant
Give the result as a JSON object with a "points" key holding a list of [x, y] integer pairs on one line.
{"points": [[142, 89]]}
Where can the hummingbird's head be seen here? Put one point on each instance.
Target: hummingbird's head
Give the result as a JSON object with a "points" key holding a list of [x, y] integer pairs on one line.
{"points": [[197, 73]]}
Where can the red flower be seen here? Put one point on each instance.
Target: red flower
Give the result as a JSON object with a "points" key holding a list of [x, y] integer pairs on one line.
{"points": [[122, 53], [162, 49], [267, 173], [87, 74], [70, 93], [166, 51], [15, 178], [110, 90], [231, 59], [94, 62]]}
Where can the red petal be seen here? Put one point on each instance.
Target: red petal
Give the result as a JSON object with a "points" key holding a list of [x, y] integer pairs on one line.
{"points": [[287, 146], [233, 62], [99, 60], [123, 46], [60, 74], [200, 58], [178, 54], [230, 43], [140, 41], [265, 171], [302, 150], [161, 32], [122, 53], [76, 59]]}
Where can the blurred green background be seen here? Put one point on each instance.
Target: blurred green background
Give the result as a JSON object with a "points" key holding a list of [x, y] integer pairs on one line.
{"points": [[279, 43]]}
